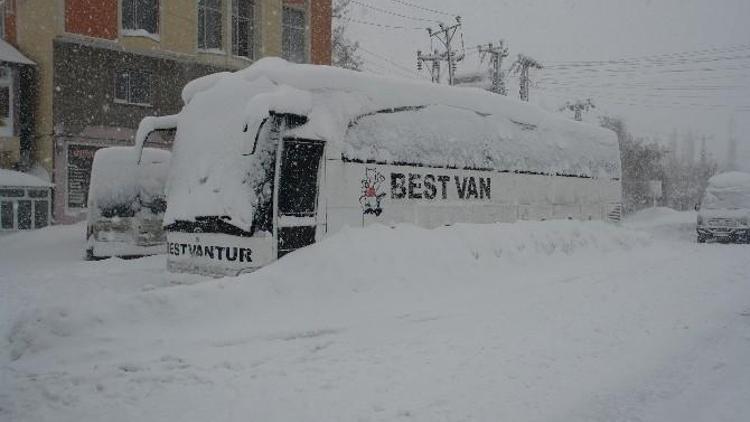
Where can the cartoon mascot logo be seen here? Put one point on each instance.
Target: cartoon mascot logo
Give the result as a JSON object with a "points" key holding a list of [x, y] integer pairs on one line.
{"points": [[372, 192]]}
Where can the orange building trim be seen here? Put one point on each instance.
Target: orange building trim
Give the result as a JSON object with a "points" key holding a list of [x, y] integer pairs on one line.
{"points": [[320, 33], [93, 18], [10, 21]]}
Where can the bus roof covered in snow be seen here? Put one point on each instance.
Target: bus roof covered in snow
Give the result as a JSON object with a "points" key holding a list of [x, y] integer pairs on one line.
{"points": [[361, 117]]}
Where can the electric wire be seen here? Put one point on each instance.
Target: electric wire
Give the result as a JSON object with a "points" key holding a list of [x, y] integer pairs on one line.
{"points": [[388, 12], [426, 9]]}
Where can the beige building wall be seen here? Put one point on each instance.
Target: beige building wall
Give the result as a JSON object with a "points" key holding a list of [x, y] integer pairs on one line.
{"points": [[39, 21], [179, 33]]}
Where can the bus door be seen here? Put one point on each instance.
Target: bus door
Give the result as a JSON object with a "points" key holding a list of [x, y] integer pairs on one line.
{"points": [[297, 194]]}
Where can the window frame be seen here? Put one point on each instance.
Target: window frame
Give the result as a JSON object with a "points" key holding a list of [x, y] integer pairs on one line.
{"points": [[129, 99], [234, 17], [200, 5], [3, 13], [136, 32], [303, 29], [35, 204], [7, 80]]}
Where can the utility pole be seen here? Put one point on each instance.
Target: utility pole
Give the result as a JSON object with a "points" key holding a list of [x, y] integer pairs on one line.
{"points": [[731, 163], [521, 66], [435, 58], [578, 107], [445, 35], [497, 54]]}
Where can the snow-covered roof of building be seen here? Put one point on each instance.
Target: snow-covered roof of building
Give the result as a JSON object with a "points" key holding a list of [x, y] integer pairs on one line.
{"points": [[8, 53], [11, 178], [364, 117]]}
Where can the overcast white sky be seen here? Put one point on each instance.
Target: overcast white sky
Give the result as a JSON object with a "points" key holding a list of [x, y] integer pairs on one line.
{"points": [[697, 91]]}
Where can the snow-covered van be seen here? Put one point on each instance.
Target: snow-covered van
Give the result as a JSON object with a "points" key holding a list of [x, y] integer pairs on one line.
{"points": [[275, 157], [126, 203], [724, 213]]}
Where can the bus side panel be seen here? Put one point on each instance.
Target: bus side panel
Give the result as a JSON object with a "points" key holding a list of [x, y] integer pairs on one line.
{"points": [[360, 194]]}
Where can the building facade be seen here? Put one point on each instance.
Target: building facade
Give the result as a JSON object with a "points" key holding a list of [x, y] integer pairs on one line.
{"points": [[103, 65]]}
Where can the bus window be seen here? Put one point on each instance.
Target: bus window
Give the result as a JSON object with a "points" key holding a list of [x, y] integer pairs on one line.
{"points": [[298, 194], [298, 190]]}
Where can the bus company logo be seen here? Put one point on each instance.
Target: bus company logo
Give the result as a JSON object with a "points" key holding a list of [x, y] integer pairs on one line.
{"points": [[372, 192]]}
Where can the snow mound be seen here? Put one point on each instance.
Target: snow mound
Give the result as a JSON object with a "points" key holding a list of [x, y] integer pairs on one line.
{"points": [[664, 222], [385, 254], [376, 259]]}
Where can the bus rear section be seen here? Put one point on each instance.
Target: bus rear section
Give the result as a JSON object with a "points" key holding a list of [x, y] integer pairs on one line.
{"points": [[126, 203]]}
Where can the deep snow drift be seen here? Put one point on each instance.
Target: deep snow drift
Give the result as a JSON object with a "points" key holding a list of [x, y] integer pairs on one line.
{"points": [[531, 321]]}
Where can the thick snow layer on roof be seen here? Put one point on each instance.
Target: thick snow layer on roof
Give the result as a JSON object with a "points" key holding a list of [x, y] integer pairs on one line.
{"points": [[474, 140], [730, 180], [728, 191], [367, 117], [116, 179], [10, 178], [8, 53]]}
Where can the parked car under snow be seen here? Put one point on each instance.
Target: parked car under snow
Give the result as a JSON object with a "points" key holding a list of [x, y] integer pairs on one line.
{"points": [[126, 203], [724, 214]]}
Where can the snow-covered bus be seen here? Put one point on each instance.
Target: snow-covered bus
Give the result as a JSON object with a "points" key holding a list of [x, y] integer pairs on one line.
{"points": [[272, 158]]}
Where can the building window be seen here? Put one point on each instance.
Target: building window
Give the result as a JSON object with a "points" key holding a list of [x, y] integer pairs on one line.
{"points": [[133, 88], [293, 43], [6, 102], [2, 20], [209, 25], [7, 215], [140, 15], [243, 28], [20, 210]]}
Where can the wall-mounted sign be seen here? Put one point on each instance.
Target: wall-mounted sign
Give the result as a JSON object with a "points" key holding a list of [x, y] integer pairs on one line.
{"points": [[80, 159]]}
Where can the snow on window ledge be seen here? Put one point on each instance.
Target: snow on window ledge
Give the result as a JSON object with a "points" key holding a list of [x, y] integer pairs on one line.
{"points": [[126, 102], [244, 58], [214, 51], [139, 33]]}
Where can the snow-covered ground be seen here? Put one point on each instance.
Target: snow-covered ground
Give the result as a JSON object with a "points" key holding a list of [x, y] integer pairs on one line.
{"points": [[554, 321]]}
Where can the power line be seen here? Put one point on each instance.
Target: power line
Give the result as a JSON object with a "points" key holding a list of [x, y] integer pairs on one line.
{"points": [[388, 12], [416, 6], [391, 62], [381, 25], [389, 71], [689, 53], [676, 105]]}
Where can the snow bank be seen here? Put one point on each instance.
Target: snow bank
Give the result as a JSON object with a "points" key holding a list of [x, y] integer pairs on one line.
{"points": [[382, 324], [363, 117], [664, 223], [385, 252]]}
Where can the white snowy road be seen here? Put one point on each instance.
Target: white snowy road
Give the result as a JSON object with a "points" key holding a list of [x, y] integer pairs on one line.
{"points": [[555, 321]]}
